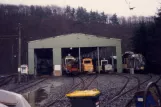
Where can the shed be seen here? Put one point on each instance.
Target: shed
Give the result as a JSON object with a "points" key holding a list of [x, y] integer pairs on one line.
{"points": [[76, 40]]}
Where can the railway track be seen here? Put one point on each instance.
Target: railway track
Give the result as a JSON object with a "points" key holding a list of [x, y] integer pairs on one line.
{"points": [[130, 101], [118, 92], [91, 80], [88, 82], [137, 87], [26, 86], [58, 99], [5, 80], [84, 83]]}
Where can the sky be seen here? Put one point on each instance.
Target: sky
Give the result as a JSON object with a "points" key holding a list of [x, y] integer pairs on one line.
{"points": [[120, 7]]}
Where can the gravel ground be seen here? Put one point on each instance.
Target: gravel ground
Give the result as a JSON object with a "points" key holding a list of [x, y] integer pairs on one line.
{"points": [[55, 87]]}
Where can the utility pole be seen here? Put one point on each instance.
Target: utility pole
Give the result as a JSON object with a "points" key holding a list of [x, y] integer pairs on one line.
{"points": [[12, 55], [19, 53]]}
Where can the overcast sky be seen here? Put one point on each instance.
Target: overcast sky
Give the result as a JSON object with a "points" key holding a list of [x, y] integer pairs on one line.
{"points": [[143, 7]]}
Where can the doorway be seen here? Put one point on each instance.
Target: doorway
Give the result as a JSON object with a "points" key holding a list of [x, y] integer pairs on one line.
{"points": [[44, 61]]}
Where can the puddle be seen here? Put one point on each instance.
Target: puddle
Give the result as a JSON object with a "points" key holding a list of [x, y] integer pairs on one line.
{"points": [[36, 97]]}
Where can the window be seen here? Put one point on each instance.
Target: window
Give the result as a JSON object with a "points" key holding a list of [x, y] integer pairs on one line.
{"points": [[104, 63], [87, 62]]}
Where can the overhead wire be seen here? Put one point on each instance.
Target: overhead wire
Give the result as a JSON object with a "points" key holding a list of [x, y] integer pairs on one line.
{"points": [[128, 3]]}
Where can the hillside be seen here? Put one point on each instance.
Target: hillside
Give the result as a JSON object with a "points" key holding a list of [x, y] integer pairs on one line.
{"points": [[41, 22]]}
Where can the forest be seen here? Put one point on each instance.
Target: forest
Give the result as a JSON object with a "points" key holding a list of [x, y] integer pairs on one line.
{"points": [[38, 22], [146, 40]]}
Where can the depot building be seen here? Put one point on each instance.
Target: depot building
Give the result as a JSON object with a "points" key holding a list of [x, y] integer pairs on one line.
{"points": [[46, 56]]}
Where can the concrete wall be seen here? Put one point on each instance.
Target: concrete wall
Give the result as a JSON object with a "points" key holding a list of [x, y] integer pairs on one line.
{"points": [[71, 40]]}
